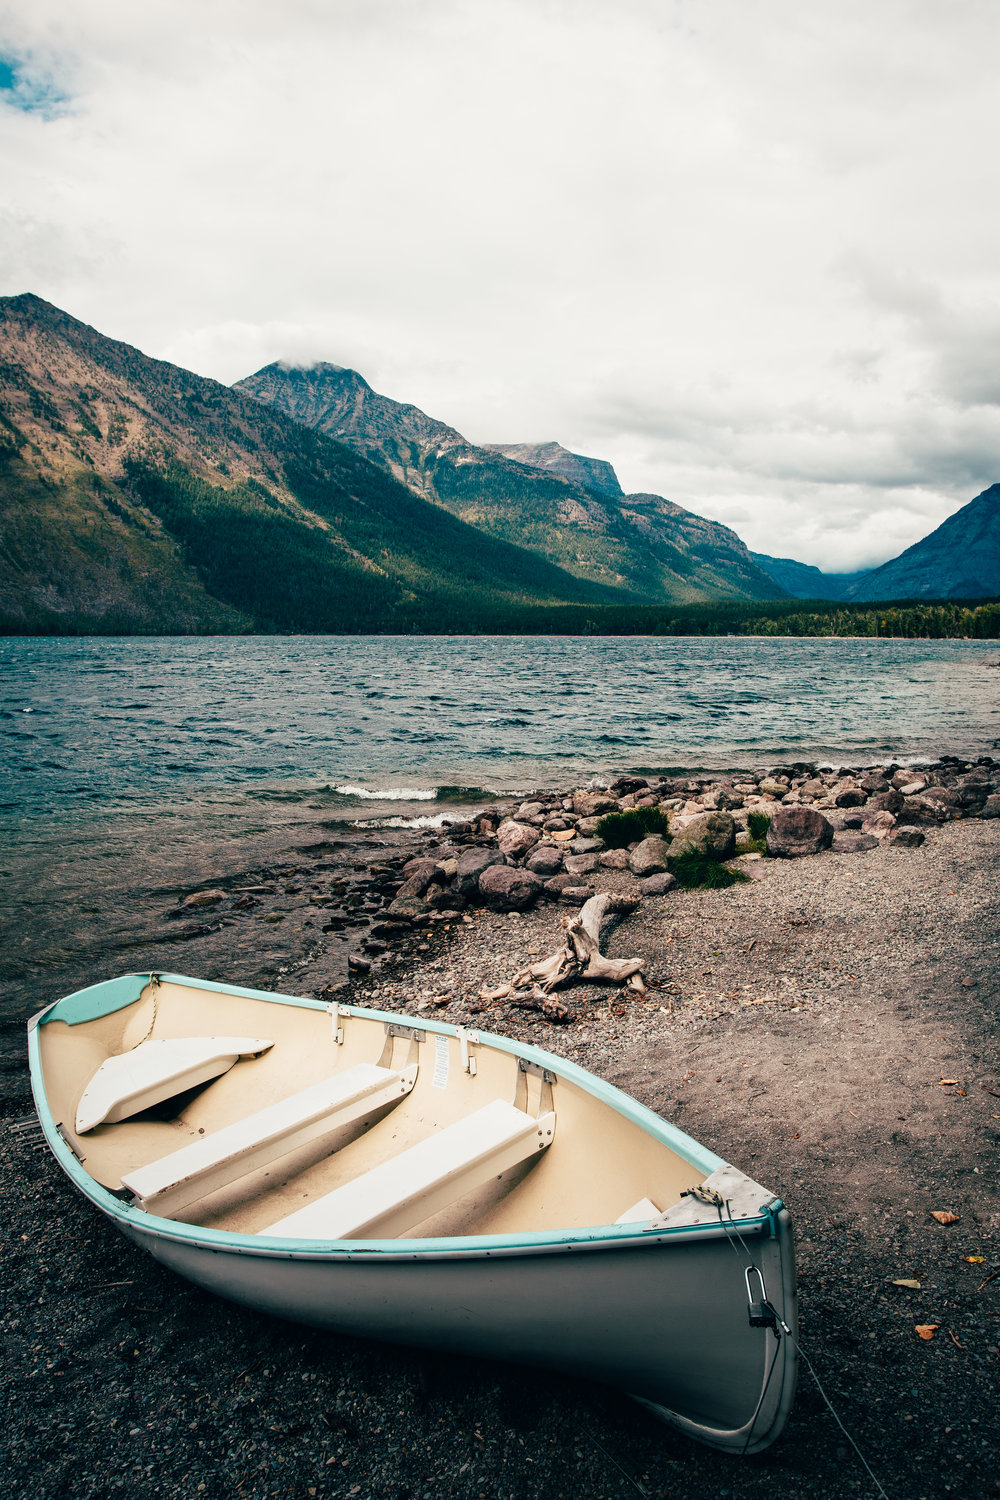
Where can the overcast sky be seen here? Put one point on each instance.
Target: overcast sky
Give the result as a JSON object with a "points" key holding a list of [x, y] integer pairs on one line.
{"points": [[749, 250]]}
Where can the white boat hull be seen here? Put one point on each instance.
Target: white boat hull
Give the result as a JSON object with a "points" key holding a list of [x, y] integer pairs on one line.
{"points": [[665, 1319]]}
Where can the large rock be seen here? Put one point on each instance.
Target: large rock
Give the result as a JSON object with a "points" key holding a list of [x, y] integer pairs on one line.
{"points": [[576, 895], [505, 888], [515, 839], [721, 796], [581, 864], [471, 865], [545, 861], [852, 842], [887, 801], [650, 856], [410, 908], [919, 808], [710, 833], [795, 831], [772, 786], [945, 796], [415, 886], [905, 836], [592, 804], [443, 898], [991, 807], [559, 884], [879, 824], [657, 885], [419, 873], [617, 859]]}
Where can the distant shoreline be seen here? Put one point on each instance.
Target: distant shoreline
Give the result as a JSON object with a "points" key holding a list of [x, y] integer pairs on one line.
{"points": [[941, 619]]}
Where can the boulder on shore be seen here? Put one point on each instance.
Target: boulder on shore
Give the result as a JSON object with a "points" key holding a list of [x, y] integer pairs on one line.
{"points": [[905, 836], [506, 888], [650, 856], [710, 833], [795, 831], [471, 865], [545, 861], [515, 839]]}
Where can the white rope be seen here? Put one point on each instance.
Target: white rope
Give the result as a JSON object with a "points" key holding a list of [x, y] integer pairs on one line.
{"points": [[154, 984]]}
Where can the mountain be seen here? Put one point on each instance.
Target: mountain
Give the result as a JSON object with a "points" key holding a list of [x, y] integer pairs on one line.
{"points": [[137, 496], [803, 581], [960, 560], [565, 508], [593, 473]]}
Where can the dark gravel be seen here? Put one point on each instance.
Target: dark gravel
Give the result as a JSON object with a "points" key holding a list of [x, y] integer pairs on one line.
{"points": [[876, 975]]}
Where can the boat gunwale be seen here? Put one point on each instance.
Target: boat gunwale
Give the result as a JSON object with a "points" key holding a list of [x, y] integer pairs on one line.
{"points": [[586, 1238]]}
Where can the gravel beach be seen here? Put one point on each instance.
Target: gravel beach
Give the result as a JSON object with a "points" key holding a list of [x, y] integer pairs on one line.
{"points": [[803, 1025]]}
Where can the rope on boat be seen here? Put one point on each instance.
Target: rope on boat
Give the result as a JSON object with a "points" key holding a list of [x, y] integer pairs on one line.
{"points": [[775, 1322], [154, 985]]}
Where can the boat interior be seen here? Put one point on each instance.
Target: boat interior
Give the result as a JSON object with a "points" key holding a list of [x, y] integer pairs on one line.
{"points": [[260, 1117]]}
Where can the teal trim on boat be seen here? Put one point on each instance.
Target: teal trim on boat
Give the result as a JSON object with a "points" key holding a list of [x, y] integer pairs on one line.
{"points": [[98, 1000]]}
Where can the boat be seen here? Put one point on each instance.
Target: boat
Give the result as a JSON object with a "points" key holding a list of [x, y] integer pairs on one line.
{"points": [[398, 1178]]}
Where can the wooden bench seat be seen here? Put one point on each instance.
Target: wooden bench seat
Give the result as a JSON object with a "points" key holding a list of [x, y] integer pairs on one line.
{"points": [[156, 1070], [392, 1197], [222, 1158]]}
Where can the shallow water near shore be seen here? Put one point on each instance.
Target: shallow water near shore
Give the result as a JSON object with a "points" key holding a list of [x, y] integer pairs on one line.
{"points": [[131, 768]]}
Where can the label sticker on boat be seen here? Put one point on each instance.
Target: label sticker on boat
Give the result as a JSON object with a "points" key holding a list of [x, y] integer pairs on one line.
{"points": [[440, 1079]]}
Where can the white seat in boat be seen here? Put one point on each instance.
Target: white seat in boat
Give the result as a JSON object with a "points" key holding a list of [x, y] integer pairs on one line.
{"points": [[157, 1070], [639, 1213], [222, 1158], [403, 1191]]}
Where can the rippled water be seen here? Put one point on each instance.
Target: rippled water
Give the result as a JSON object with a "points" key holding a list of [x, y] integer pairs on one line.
{"points": [[131, 766], [98, 724]]}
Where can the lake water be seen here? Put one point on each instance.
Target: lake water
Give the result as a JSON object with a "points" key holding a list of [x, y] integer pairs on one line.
{"points": [[131, 767], [91, 726]]}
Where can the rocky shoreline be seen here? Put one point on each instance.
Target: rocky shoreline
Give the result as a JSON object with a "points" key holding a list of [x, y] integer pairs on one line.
{"points": [[829, 1025], [514, 855]]}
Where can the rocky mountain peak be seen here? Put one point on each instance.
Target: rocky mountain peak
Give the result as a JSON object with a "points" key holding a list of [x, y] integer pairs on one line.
{"points": [[593, 473]]}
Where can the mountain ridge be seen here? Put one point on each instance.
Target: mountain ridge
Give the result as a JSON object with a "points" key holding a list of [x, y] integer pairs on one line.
{"points": [[140, 496], [805, 580], [960, 559], [648, 546]]}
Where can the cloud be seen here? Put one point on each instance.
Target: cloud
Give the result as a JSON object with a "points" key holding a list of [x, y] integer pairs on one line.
{"points": [[748, 254]]}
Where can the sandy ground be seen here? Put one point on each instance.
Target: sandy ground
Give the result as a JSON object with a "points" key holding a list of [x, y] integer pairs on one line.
{"points": [[800, 1026]]}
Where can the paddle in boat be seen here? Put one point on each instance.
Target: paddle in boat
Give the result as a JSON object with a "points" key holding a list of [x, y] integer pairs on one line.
{"points": [[402, 1179]]}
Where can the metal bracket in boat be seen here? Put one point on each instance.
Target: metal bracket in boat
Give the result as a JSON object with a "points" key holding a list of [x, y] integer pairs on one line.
{"points": [[336, 1018], [415, 1035], [525, 1067], [395, 1028], [465, 1039]]}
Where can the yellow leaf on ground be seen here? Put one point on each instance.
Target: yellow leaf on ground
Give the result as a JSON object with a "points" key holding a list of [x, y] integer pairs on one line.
{"points": [[943, 1216], [927, 1330], [974, 1260], [908, 1281], [948, 1082]]}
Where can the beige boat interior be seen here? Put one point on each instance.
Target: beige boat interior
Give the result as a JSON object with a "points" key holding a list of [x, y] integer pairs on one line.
{"points": [[345, 1127]]}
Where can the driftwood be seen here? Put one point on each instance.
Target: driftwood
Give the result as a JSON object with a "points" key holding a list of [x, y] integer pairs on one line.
{"points": [[579, 958]]}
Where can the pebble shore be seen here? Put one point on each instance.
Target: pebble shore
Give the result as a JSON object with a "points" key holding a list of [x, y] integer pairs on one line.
{"points": [[829, 1025]]}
